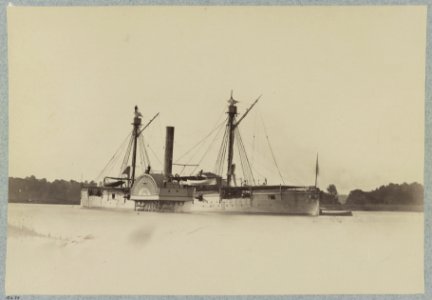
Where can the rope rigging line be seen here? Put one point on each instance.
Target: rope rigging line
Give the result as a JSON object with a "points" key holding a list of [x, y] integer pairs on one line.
{"points": [[245, 175], [246, 167], [109, 168], [141, 150], [253, 137], [219, 156], [253, 149], [201, 141], [200, 144], [126, 157], [222, 152], [207, 150], [271, 151], [221, 165], [154, 153], [249, 167], [218, 128], [258, 172], [113, 158], [266, 169], [141, 154], [147, 158]]}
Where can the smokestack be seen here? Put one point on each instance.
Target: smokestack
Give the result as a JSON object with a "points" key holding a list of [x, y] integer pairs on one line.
{"points": [[169, 147]]}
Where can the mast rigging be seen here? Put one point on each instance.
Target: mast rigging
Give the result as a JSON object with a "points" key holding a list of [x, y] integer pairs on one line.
{"points": [[231, 128]]}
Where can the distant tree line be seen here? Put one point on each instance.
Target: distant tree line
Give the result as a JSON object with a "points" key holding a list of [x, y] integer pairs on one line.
{"points": [[392, 197], [392, 194], [33, 190], [330, 197]]}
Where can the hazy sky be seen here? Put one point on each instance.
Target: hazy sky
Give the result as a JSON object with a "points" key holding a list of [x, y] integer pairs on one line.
{"points": [[347, 82]]}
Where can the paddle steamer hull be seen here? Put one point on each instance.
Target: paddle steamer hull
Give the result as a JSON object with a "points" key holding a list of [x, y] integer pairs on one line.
{"points": [[185, 199], [269, 201], [101, 197]]}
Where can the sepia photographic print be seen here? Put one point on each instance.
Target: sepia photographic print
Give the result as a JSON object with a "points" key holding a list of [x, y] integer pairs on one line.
{"points": [[215, 150]]}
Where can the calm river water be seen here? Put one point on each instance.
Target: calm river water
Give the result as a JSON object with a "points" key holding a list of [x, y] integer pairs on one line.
{"points": [[55, 249]]}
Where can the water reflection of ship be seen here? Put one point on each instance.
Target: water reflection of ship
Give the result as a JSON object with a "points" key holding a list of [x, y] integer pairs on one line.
{"points": [[205, 191]]}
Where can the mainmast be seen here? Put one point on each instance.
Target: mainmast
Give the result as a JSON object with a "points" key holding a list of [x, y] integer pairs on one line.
{"points": [[232, 112], [232, 126], [136, 124]]}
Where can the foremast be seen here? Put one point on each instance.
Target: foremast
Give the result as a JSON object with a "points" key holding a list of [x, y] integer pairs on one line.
{"points": [[136, 132], [135, 147]]}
